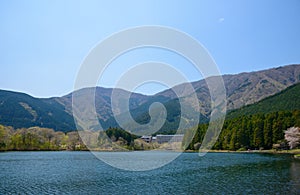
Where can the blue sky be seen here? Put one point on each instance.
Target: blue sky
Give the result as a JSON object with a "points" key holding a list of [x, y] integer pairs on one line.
{"points": [[43, 43]]}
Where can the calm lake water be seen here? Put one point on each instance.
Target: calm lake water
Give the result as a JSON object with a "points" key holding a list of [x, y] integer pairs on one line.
{"points": [[83, 173]]}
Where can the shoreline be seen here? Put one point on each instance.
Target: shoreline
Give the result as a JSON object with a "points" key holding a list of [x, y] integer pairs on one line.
{"points": [[292, 152], [295, 152]]}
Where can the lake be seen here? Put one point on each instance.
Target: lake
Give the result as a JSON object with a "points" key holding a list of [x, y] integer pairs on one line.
{"points": [[215, 173]]}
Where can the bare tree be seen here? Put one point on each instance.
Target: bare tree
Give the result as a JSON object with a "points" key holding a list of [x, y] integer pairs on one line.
{"points": [[292, 136]]}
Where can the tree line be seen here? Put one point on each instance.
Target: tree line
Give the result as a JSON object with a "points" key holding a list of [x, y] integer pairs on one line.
{"points": [[36, 138], [259, 131]]}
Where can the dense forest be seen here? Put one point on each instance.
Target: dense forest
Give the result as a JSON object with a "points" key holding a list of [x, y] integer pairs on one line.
{"points": [[286, 100], [259, 131]]}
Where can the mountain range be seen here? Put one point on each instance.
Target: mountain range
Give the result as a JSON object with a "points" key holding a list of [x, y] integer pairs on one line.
{"points": [[21, 110]]}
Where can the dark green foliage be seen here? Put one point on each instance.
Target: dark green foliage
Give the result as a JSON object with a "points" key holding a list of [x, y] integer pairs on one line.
{"points": [[286, 100], [268, 131], [116, 133], [251, 132]]}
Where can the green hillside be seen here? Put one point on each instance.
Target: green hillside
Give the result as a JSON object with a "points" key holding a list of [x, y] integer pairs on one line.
{"points": [[286, 100], [259, 125], [21, 110], [171, 124]]}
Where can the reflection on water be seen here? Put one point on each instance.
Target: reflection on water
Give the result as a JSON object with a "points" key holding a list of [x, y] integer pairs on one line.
{"points": [[83, 173], [295, 176]]}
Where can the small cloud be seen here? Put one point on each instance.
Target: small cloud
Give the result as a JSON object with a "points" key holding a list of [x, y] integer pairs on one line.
{"points": [[221, 20]]}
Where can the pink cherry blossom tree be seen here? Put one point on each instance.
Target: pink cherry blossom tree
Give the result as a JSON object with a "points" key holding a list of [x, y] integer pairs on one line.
{"points": [[292, 136]]}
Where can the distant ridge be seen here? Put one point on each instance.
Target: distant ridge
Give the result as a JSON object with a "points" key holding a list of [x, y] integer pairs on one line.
{"points": [[21, 110]]}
